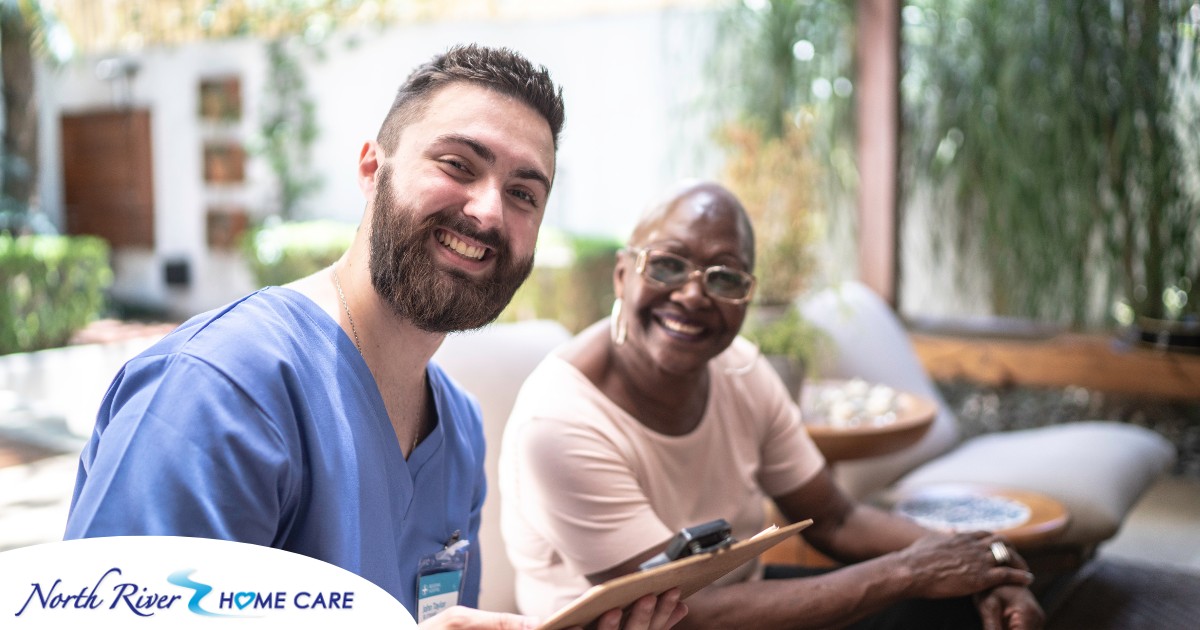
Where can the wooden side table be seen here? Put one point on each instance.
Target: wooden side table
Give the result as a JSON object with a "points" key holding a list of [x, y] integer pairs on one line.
{"points": [[911, 420], [913, 417], [1046, 518]]}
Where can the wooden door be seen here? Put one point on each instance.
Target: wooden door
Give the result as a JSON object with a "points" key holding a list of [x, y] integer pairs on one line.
{"points": [[108, 176]]}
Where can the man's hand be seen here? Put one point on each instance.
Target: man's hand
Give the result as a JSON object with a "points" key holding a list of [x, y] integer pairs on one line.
{"points": [[647, 613], [463, 618]]}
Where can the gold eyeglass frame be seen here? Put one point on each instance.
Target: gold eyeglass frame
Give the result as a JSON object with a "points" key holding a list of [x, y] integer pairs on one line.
{"points": [[640, 266]]}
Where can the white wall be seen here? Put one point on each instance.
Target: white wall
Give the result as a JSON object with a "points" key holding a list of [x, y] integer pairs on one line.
{"points": [[167, 85], [630, 83]]}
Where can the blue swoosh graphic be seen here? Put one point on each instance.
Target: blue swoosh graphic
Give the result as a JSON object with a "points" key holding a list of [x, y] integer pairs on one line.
{"points": [[180, 578]]}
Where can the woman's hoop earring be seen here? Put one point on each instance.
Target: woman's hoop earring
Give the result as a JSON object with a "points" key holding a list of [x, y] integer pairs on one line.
{"points": [[616, 324]]}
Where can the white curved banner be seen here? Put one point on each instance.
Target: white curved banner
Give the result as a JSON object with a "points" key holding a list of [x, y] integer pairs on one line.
{"points": [[176, 582]]}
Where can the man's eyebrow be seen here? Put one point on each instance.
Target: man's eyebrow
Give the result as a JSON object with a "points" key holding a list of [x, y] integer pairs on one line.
{"points": [[475, 145], [488, 156], [534, 174]]}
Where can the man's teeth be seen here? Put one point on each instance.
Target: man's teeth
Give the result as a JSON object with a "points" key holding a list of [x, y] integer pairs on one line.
{"points": [[681, 327], [470, 251]]}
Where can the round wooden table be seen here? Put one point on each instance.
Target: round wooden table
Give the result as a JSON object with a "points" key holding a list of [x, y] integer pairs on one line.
{"points": [[913, 417], [1047, 518]]}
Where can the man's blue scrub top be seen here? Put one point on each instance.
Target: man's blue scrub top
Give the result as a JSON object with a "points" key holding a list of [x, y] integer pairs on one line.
{"points": [[260, 422]]}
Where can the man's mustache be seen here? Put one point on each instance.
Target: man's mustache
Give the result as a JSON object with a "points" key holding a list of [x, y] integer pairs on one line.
{"points": [[458, 223]]}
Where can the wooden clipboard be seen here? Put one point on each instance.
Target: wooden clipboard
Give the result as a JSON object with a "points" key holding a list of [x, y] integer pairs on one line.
{"points": [[689, 574]]}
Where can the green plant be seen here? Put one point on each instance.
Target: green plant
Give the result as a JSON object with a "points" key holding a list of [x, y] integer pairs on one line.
{"points": [[784, 110], [280, 252], [571, 283], [774, 58], [289, 126], [786, 333], [1059, 139], [52, 287], [783, 113], [774, 177]]}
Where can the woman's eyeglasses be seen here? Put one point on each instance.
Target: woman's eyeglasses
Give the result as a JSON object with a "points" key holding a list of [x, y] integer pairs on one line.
{"points": [[670, 271]]}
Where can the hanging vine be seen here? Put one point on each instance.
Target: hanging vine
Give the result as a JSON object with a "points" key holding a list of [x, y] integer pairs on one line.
{"points": [[288, 126]]}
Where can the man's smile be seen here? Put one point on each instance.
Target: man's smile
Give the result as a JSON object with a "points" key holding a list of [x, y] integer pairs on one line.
{"points": [[460, 246]]}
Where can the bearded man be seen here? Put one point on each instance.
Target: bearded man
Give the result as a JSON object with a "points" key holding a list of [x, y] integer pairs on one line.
{"points": [[309, 417]]}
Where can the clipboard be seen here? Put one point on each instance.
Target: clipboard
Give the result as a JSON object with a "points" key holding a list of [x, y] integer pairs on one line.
{"points": [[690, 574]]}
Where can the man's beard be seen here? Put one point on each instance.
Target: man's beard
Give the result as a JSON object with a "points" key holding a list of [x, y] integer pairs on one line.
{"points": [[405, 276]]}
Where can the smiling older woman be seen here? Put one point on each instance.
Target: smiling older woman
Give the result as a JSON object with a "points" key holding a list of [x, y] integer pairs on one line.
{"points": [[662, 418]]}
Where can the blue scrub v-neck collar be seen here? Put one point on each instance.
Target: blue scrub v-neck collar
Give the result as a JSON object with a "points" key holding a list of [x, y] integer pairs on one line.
{"points": [[346, 351]]}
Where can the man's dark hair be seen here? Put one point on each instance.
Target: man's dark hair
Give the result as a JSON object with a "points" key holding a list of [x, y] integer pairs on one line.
{"points": [[499, 69]]}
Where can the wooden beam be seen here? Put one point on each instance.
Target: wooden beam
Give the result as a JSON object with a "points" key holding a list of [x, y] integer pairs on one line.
{"points": [[1096, 362], [878, 118]]}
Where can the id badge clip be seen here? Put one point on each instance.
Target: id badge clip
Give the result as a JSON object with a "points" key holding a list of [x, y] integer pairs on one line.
{"points": [[440, 577]]}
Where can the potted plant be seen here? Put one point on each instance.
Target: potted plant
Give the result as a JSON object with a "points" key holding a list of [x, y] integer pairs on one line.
{"points": [[789, 342], [774, 177]]}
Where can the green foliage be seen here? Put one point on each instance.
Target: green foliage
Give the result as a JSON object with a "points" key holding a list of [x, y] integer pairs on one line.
{"points": [[783, 65], [775, 179], [312, 19], [783, 69], [785, 333], [783, 88], [288, 126], [52, 287], [572, 283], [776, 57], [1062, 139], [45, 34], [281, 252]]}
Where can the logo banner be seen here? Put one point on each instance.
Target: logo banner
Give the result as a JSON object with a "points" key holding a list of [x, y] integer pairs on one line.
{"points": [[177, 582]]}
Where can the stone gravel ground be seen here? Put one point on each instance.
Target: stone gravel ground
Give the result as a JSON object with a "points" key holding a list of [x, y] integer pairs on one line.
{"points": [[984, 409]]}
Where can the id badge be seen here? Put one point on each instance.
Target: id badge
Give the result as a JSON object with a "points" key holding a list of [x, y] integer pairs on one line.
{"points": [[440, 578]]}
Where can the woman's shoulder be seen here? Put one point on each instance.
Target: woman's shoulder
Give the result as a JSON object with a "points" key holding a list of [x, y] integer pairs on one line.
{"points": [[553, 384], [740, 358], [559, 390], [588, 350], [745, 374]]}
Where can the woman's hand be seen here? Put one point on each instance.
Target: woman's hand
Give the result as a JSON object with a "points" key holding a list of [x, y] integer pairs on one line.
{"points": [[647, 613], [1010, 608], [960, 565]]}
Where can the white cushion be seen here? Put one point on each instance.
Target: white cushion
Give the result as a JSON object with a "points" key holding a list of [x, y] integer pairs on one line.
{"points": [[492, 363], [868, 342], [1097, 470]]}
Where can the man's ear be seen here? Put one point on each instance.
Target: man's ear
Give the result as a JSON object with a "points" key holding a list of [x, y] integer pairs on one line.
{"points": [[368, 166]]}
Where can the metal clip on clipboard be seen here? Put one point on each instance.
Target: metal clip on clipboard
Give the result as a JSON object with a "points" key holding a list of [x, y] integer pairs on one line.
{"points": [[703, 538]]}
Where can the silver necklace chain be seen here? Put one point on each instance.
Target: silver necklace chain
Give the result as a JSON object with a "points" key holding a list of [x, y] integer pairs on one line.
{"points": [[354, 329], [337, 283]]}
